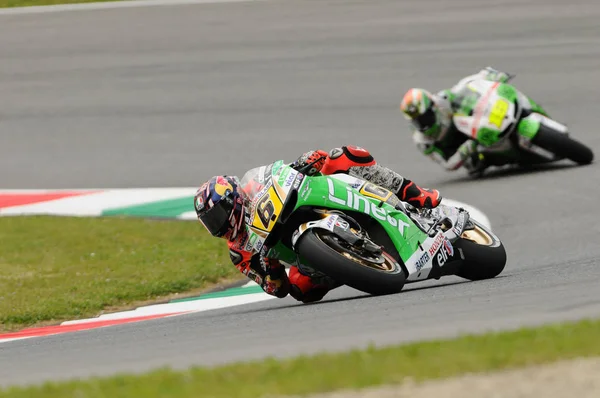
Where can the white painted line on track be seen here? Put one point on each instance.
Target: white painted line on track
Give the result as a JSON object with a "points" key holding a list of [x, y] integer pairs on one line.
{"points": [[29, 191], [94, 204], [193, 305], [188, 215], [109, 5], [180, 307], [15, 339]]}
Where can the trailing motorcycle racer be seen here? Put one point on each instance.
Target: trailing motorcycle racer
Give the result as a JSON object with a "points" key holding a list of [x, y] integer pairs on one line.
{"points": [[435, 134], [222, 205]]}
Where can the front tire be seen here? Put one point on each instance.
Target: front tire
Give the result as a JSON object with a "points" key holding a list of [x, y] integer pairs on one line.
{"points": [[563, 146], [485, 256], [326, 253]]}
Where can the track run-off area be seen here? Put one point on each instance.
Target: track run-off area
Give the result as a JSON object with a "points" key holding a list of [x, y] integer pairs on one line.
{"points": [[133, 97]]}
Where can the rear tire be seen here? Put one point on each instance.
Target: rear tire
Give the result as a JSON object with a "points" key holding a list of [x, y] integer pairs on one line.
{"points": [[323, 253], [485, 256], [563, 146]]}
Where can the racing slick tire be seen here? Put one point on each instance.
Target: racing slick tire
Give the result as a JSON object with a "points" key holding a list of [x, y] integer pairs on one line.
{"points": [[485, 256], [325, 252]]}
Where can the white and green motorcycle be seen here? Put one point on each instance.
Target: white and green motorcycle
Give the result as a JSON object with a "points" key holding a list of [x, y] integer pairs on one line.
{"points": [[517, 130], [360, 234]]}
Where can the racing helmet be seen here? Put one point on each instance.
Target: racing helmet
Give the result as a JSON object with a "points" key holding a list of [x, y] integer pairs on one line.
{"points": [[219, 205], [418, 106]]}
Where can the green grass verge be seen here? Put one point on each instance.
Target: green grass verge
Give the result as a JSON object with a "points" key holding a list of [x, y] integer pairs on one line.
{"points": [[27, 3], [355, 369], [57, 268]]}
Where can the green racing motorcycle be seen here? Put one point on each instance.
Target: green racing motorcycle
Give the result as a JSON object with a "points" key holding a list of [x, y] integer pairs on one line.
{"points": [[492, 113], [360, 234]]}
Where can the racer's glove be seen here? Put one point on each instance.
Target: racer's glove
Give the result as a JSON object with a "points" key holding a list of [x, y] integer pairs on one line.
{"points": [[468, 149], [276, 282], [311, 162]]}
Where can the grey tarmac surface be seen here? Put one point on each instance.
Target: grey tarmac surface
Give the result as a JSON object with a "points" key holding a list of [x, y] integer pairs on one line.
{"points": [[168, 96]]}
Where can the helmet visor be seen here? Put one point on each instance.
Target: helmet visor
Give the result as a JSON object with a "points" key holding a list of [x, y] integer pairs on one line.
{"points": [[216, 219], [425, 121]]}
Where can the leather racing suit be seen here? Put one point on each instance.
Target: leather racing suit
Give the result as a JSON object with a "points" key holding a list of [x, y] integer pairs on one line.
{"points": [[453, 149], [302, 284]]}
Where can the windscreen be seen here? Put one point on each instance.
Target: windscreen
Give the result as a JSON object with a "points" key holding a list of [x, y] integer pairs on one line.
{"points": [[255, 179], [465, 101]]}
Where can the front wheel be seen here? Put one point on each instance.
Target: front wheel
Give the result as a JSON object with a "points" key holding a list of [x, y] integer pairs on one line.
{"points": [[485, 256], [329, 254], [563, 146]]}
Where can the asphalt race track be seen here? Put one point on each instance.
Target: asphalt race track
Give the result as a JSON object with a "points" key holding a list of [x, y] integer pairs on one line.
{"points": [[168, 96]]}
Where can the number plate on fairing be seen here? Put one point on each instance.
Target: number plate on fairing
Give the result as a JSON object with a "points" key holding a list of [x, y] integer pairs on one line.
{"points": [[487, 119], [266, 210]]}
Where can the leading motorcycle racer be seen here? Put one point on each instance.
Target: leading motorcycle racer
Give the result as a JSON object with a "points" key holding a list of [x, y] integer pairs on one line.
{"points": [[221, 204], [435, 134]]}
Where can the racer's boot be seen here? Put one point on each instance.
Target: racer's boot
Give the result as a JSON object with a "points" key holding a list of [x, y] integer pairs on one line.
{"points": [[307, 288], [417, 196]]}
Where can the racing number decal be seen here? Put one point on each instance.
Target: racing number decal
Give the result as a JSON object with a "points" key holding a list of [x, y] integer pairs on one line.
{"points": [[267, 209], [498, 113]]}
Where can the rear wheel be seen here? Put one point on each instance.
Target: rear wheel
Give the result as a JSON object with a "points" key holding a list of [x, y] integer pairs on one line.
{"points": [[563, 146], [350, 265], [485, 256]]}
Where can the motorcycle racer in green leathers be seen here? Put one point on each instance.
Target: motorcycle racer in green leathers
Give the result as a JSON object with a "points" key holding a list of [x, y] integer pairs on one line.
{"points": [[434, 131]]}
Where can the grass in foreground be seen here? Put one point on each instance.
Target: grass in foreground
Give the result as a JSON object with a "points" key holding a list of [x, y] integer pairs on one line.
{"points": [[27, 3], [355, 369], [57, 268]]}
